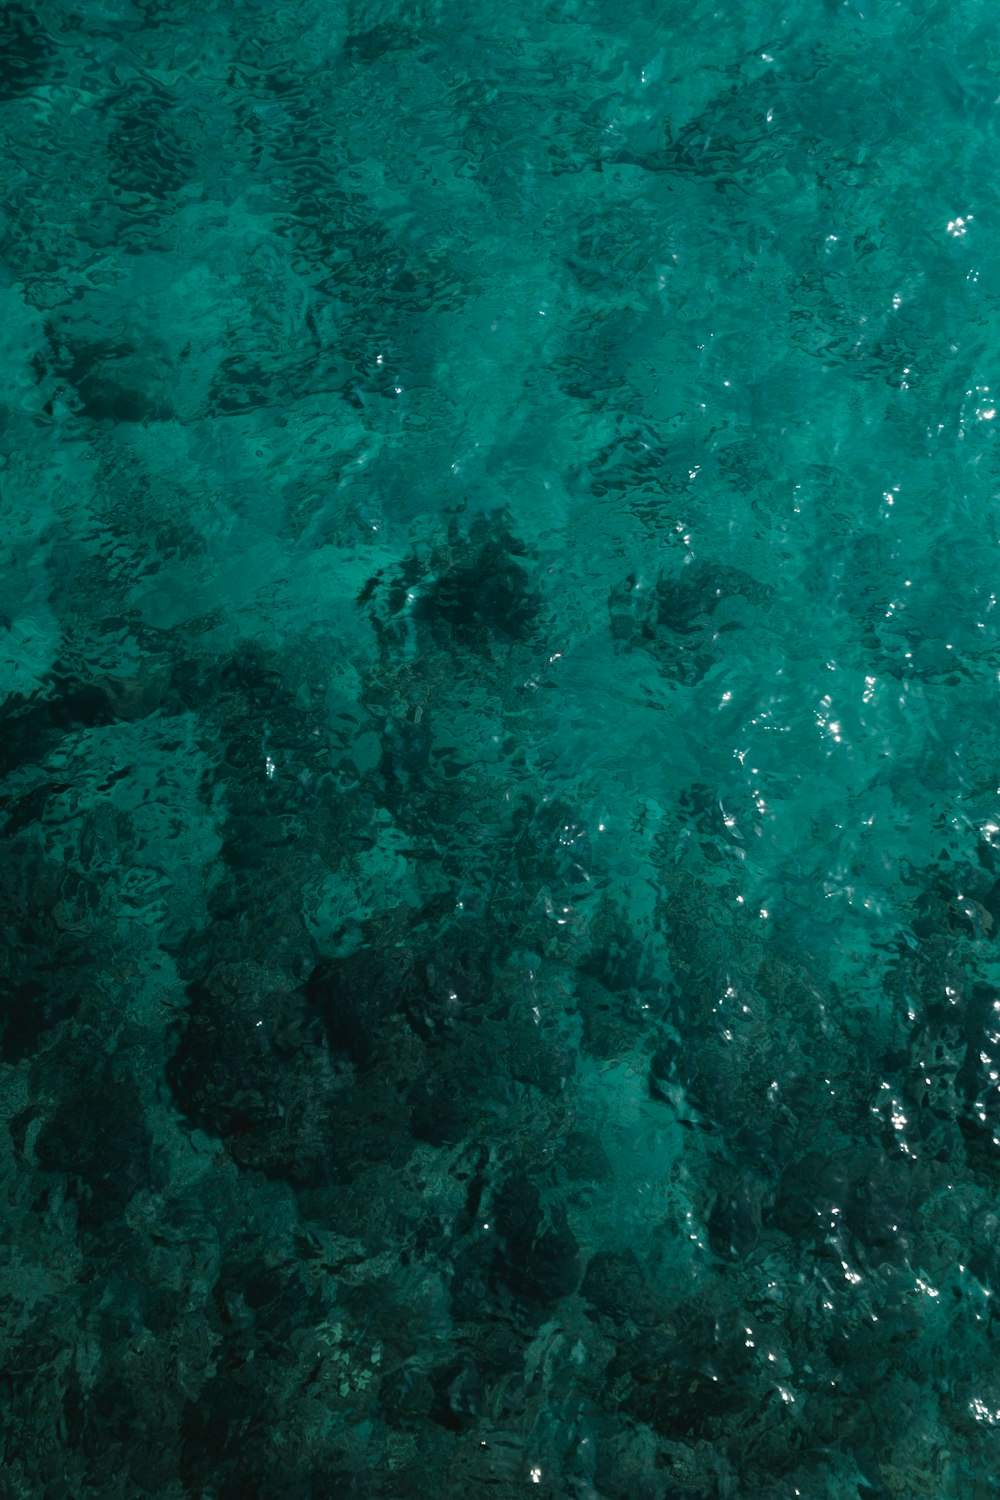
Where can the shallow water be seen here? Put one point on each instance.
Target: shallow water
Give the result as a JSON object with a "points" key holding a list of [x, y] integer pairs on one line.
{"points": [[500, 810]]}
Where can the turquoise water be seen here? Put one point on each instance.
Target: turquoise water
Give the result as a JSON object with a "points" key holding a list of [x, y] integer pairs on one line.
{"points": [[500, 818]]}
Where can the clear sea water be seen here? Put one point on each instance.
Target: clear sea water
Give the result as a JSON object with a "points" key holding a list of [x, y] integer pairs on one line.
{"points": [[500, 822]]}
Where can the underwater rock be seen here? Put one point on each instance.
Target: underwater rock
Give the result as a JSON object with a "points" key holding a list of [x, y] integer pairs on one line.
{"points": [[98, 1137], [472, 592], [536, 1259], [682, 617]]}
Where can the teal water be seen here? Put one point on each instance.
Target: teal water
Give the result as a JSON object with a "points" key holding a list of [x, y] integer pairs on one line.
{"points": [[500, 813]]}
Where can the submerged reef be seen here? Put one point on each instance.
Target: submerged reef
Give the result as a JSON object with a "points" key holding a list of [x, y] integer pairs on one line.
{"points": [[500, 879]]}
